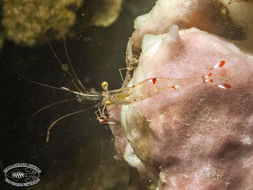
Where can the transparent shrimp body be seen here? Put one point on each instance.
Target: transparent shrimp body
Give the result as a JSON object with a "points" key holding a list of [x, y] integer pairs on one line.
{"points": [[142, 91], [153, 86]]}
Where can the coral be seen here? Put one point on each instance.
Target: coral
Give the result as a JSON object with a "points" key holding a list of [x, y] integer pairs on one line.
{"points": [[25, 20]]}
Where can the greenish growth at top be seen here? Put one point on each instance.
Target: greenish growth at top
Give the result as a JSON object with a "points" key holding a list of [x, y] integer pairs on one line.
{"points": [[25, 20], [108, 13]]}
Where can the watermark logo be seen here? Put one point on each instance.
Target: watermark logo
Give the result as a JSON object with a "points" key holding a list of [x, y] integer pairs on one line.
{"points": [[22, 174]]}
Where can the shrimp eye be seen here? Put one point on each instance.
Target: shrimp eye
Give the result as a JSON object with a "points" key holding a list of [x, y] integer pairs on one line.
{"points": [[107, 102], [105, 85]]}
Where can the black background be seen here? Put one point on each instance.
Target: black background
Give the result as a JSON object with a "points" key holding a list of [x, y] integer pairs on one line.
{"points": [[95, 59]]}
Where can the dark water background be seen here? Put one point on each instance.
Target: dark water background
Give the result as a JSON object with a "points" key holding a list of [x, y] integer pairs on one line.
{"points": [[78, 145]]}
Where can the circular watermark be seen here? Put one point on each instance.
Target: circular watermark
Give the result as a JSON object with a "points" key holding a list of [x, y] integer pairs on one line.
{"points": [[22, 174]]}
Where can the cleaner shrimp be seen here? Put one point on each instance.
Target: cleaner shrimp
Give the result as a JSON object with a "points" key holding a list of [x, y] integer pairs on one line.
{"points": [[130, 94], [153, 86]]}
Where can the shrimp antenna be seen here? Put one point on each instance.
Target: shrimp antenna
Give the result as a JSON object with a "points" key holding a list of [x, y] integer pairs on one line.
{"points": [[76, 86], [71, 65], [93, 96], [59, 61], [50, 105], [49, 86], [65, 116]]}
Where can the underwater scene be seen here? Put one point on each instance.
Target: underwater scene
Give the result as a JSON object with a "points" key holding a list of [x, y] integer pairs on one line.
{"points": [[126, 95]]}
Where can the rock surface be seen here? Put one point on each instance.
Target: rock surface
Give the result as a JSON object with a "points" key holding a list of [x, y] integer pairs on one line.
{"points": [[193, 133]]}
